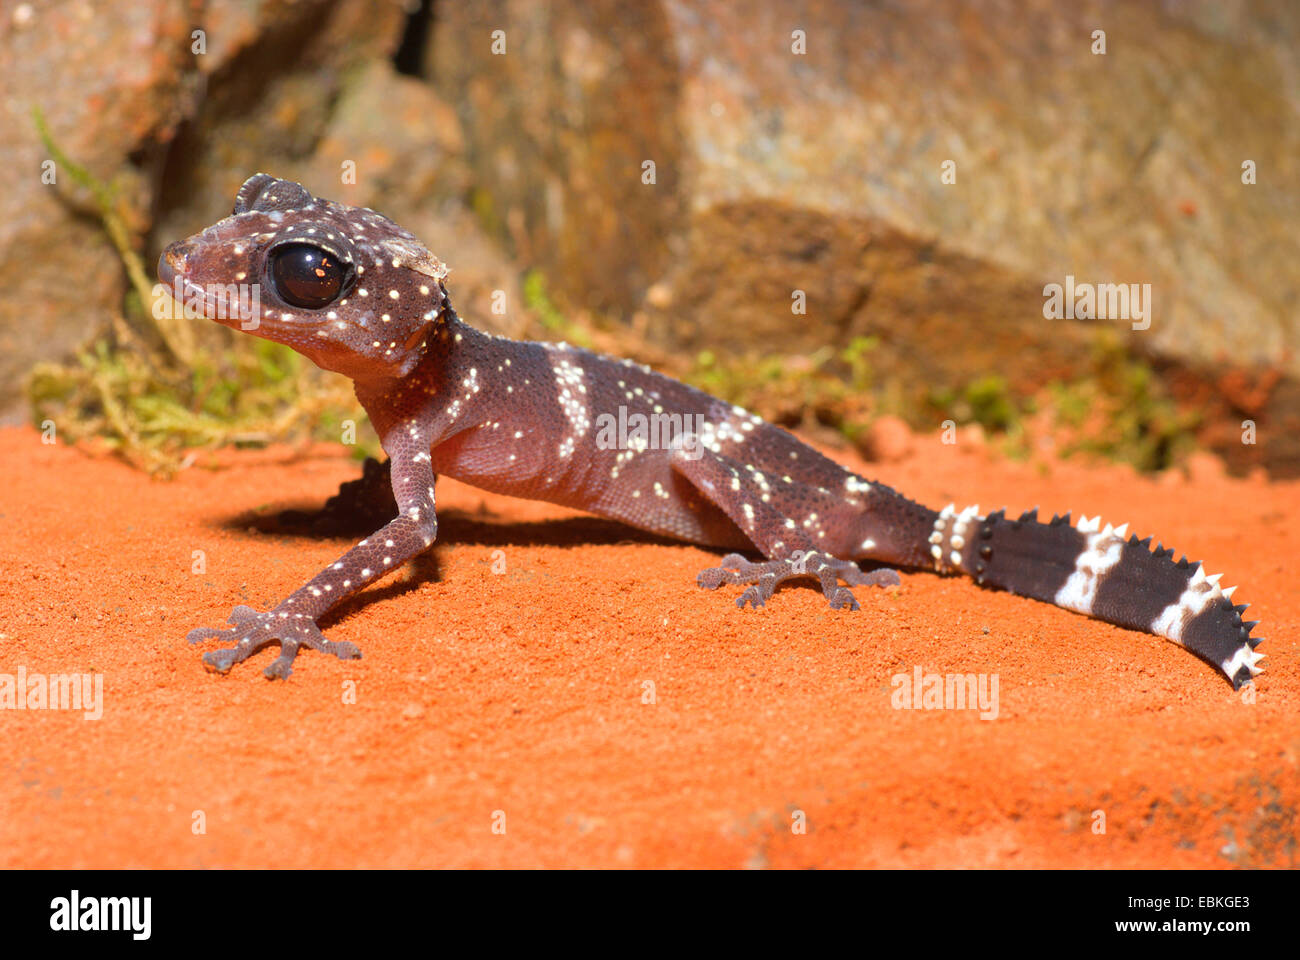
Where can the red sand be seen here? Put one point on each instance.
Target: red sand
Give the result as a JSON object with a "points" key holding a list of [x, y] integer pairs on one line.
{"points": [[522, 691]]}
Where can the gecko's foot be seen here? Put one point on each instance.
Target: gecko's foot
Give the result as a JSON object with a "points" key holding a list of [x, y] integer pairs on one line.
{"points": [[764, 577], [253, 630]]}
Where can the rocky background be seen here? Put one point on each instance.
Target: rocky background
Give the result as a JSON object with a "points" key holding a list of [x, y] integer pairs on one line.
{"points": [[793, 147]]}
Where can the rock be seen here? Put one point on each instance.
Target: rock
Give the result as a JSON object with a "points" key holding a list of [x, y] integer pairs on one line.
{"points": [[59, 274], [260, 89], [777, 171], [888, 440], [1204, 467]]}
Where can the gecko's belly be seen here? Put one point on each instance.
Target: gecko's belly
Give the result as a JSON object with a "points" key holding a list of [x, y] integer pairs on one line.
{"points": [[654, 498]]}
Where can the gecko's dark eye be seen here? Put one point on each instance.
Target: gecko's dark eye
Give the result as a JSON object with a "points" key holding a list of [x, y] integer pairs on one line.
{"points": [[307, 276]]}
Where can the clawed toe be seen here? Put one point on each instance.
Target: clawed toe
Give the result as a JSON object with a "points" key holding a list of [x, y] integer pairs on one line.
{"points": [[842, 597], [758, 594], [733, 568], [342, 649], [879, 578], [712, 578], [222, 660], [282, 666]]}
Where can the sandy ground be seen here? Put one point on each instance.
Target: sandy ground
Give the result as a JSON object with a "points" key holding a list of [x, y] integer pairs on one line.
{"points": [[517, 698]]}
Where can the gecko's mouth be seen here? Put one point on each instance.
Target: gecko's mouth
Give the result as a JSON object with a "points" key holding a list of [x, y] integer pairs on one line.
{"points": [[224, 303]]}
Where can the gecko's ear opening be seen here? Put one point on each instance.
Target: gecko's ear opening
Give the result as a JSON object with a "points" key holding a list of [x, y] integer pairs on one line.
{"points": [[257, 194]]}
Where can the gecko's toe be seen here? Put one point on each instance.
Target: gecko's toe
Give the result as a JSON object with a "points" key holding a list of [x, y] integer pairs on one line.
{"points": [[282, 666], [757, 595], [851, 574], [765, 587], [881, 578], [241, 613], [733, 568], [841, 598], [712, 578], [342, 649], [221, 661]]}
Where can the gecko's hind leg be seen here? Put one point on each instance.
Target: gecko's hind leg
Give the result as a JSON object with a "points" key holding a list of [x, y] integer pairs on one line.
{"points": [[360, 506], [741, 492], [766, 575]]}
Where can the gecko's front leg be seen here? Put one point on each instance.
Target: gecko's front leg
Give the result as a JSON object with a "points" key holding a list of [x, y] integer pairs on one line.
{"points": [[294, 621]]}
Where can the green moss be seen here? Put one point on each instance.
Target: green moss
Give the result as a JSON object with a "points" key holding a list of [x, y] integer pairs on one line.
{"points": [[1124, 412], [480, 202], [830, 387], [1120, 411], [552, 319]]}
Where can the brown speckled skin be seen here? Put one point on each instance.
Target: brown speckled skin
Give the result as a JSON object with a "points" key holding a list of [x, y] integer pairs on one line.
{"points": [[526, 419]]}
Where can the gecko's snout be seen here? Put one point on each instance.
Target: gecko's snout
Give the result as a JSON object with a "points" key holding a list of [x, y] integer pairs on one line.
{"points": [[173, 260]]}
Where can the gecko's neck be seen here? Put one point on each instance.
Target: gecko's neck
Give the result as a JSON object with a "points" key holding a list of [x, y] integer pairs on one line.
{"points": [[451, 353]]}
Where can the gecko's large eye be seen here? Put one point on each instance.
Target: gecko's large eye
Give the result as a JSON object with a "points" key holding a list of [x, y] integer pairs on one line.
{"points": [[307, 276]]}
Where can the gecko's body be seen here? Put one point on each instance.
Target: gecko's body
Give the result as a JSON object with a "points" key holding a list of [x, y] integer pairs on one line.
{"points": [[357, 294]]}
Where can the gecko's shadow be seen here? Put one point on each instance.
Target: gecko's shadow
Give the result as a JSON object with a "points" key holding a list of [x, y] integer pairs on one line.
{"points": [[365, 504], [351, 523]]}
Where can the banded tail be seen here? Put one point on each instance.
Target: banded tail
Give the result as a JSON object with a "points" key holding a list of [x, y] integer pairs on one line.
{"points": [[1105, 573]]}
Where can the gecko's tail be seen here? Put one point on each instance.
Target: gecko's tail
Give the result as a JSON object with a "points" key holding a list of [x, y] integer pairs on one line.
{"points": [[1105, 573]]}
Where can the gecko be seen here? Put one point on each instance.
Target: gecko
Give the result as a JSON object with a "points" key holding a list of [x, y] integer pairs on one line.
{"points": [[357, 294]]}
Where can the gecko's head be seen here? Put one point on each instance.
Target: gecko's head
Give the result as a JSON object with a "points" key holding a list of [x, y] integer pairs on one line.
{"points": [[342, 285]]}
